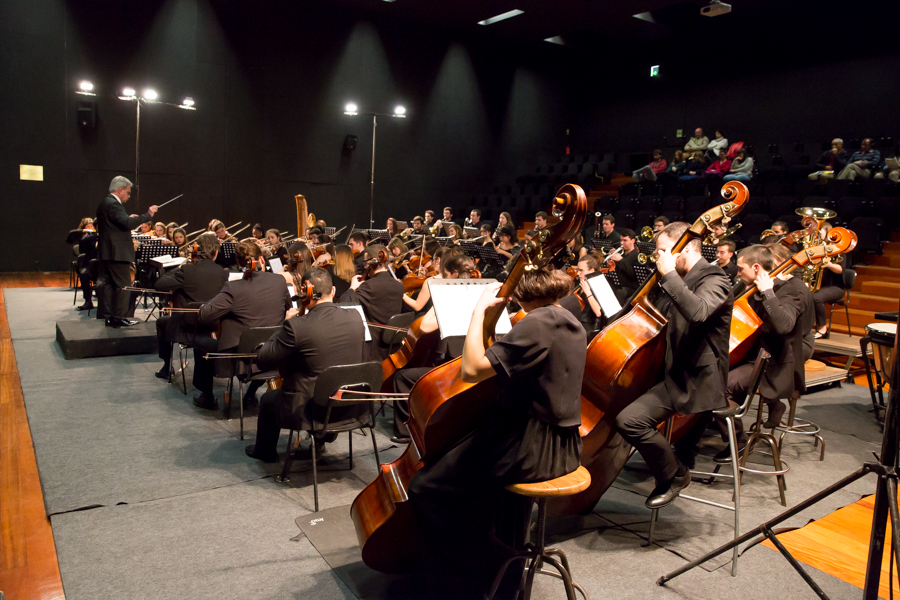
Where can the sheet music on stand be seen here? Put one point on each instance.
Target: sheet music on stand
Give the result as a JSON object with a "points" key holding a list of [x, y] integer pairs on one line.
{"points": [[454, 302], [141, 237], [444, 241], [151, 249], [487, 254], [605, 244], [378, 235], [228, 249], [402, 225], [471, 232], [605, 296], [330, 231], [647, 248]]}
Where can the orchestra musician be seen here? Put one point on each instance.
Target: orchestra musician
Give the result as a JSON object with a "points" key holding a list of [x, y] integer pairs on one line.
{"points": [[325, 247], [170, 229], [380, 295], [531, 436], [358, 241], [590, 315], [448, 215], [218, 228], [87, 262], [398, 249], [832, 287], [429, 218], [509, 242], [392, 227], [504, 220], [116, 254], [179, 237], [343, 269], [540, 220], [313, 233], [625, 261], [146, 228], [608, 230], [159, 232], [779, 303], [660, 222], [724, 253], [475, 218], [257, 232], [325, 336], [300, 261], [275, 246], [454, 231], [422, 301], [259, 299], [198, 281], [696, 299], [418, 226]]}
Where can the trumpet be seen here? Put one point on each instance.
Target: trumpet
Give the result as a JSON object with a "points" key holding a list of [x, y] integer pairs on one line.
{"points": [[712, 240], [645, 258], [646, 234]]}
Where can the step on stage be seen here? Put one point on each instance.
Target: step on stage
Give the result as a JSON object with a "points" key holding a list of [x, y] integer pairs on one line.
{"points": [[88, 338]]}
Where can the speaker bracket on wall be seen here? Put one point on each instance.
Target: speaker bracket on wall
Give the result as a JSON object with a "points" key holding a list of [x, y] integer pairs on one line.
{"points": [[87, 114]]}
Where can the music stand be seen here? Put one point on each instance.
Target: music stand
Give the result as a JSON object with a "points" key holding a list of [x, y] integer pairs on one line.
{"points": [[647, 248], [227, 249], [330, 231], [607, 245], [378, 235], [142, 257], [885, 504], [708, 252], [444, 241], [643, 273], [613, 278]]}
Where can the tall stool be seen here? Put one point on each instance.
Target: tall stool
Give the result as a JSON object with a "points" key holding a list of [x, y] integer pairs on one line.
{"points": [[798, 426], [535, 552]]}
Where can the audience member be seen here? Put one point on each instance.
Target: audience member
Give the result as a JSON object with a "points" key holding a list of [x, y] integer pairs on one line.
{"points": [[720, 167], [698, 143], [720, 142], [891, 167], [741, 168], [694, 168], [862, 163], [831, 162], [650, 172], [676, 167]]}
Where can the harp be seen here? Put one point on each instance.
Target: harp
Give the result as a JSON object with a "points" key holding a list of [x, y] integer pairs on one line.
{"points": [[305, 219]]}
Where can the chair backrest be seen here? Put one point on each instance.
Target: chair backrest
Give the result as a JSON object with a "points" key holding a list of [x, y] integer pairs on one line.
{"points": [[254, 337], [364, 377], [389, 337], [849, 276], [759, 368]]}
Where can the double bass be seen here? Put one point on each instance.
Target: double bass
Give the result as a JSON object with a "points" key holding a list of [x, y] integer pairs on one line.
{"points": [[443, 409], [624, 361]]}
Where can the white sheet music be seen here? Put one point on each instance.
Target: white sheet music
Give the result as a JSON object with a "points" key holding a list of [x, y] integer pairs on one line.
{"points": [[276, 265], [232, 276], [292, 292], [604, 294], [359, 310], [166, 261], [454, 302]]}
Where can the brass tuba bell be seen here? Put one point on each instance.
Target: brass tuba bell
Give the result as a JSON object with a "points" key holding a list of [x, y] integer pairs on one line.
{"points": [[646, 234]]}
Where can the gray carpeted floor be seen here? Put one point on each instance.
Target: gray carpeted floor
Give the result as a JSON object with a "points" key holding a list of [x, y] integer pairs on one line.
{"points": [[181, 511]]}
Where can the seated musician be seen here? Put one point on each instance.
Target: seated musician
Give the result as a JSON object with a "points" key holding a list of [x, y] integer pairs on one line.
{"points": [[399, 256], [509, 242], [159, 232], [218, 228], [608, 231], [358, 241], [392, 227], [454, 231], [380, 295], [660, 222], [313, 233], [724, 253], [418, 225], [422, 301], [532, 436], [590, 315], [429, 218], [88, 267], [324, 251], [179, 237], [625, 261], [259, 299], [807, 313], [275, 246], [146, 228], [832, 287], [306, 345], [573, 252], [257, 232], [343, 269], [779, 303], [170, 230], [458, 266], [299, 261], [695, 297], [198, 281]]}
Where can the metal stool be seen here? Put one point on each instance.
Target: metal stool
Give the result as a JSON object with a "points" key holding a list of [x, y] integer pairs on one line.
{"points": [[798, 426], [756, 436], [730, 413], [536, 552]]}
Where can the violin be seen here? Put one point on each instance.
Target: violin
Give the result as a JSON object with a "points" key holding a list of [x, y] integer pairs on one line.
{"points": [[443, 409], [372, 265], [624, 361]]}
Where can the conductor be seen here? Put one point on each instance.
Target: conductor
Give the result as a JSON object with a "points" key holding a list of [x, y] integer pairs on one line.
{"points": [[116, 254]]}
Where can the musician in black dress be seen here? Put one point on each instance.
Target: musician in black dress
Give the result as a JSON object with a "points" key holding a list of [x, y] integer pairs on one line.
{"points": [[589, 315], [325, 336], [625, 261], [532, 435], [696, 299], [198, 281], [831, 289], [116, 254]]}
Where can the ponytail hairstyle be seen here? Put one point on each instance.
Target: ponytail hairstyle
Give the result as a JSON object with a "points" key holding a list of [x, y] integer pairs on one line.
{"points": [[246, 253]]}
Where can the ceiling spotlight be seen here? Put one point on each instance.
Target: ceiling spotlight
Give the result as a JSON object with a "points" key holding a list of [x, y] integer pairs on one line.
{"points": [[350, 109], [127, 93], [86, 86], [399, 111], [150, 94], [502, 17], [187, 102]]}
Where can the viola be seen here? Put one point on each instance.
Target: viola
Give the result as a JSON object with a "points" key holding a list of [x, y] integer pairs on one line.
{"points": [[443, 409], [624, 361], [372, 265]]}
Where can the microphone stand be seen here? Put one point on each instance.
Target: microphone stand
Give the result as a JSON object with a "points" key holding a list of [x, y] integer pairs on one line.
{"points": [[885, 504]]}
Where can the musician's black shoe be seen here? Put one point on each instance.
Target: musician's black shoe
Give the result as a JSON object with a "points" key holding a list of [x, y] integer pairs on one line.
{"points": [[127, 322], [207, 401], [776, 411], [723, 457], [113, 322], [400, 439], [85, 306], [252, 453], [164, 372], [665, 494]]}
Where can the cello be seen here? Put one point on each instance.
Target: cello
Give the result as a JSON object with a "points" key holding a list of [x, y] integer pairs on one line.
{"points": [[624, 361], [443, 409], [745, 323]]}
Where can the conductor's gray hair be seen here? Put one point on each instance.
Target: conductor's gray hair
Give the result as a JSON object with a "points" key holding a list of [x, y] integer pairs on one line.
{"points": [[118, 182]]}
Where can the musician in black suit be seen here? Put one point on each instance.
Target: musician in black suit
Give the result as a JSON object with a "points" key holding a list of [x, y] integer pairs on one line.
{"points": [[327, 335], [357, 243], [116, 255], [192, 282], [259, 299], [87, 266], [724, 253], [625, 261], [380, 295], [696, 300]]}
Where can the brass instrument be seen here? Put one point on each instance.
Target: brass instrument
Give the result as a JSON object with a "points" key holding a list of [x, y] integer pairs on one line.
{"points": [[643, 259], [646, 234], [712, 240], [812, 275], [766, 233]]}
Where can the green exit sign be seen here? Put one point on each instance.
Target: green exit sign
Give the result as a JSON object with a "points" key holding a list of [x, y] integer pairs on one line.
{"points": [[654, 71]]}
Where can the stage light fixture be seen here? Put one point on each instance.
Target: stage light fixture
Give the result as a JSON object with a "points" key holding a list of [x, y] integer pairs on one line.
{"points": [[127, 94], [555, 40], [187, 103], [400, 111], [502, 17], [150, 94], [86, 86], [351, 109]]}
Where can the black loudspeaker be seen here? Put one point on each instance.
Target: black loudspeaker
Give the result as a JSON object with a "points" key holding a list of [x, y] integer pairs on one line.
{"points": [[350, 143], [87, 114]]}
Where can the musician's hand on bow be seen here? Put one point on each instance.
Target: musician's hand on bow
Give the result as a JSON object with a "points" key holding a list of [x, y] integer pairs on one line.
{"points": [[489, 297], [291, 312], [133, 216], [355, 282], [665, 264], [152, 210], [763, 281]]}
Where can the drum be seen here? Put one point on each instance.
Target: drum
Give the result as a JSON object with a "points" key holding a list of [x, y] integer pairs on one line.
{"points": [[882, 336]]}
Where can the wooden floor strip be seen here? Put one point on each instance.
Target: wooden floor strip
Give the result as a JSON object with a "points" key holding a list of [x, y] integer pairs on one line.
{"points": [[28, 566]]}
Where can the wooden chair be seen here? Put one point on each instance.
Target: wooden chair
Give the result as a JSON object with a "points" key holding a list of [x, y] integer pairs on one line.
{"points": [[535, 552]]}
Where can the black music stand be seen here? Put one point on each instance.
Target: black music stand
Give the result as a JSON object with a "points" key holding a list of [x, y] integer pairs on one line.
{"points": [[607, 245], [613, 278], [142, 257], [647, 248], [227, 249], [643, 273], [885, 504], [444, 241], [708, 252], [330, 231]]}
